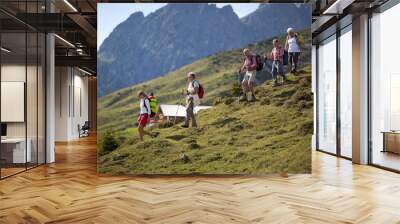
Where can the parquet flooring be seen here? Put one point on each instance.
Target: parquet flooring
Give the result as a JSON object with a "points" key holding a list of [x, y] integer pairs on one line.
{"points": [[70, 191]]}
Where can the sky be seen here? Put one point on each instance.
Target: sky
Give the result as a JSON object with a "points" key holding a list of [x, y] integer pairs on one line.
{"points": [[109, 15]]}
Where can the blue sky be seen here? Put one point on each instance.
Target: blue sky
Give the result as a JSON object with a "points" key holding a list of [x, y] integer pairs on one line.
{"points": [[109, 15]]}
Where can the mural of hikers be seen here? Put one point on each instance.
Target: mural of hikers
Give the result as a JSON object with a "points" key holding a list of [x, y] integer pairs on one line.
{"points": [[210, 98]]}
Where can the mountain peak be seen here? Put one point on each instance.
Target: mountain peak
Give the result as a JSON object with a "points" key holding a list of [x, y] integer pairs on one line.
{"points": [[136, 16], [227, 9]]}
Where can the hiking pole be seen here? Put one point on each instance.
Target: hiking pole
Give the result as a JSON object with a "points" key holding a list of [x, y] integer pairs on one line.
{"points": [[239, 83]]}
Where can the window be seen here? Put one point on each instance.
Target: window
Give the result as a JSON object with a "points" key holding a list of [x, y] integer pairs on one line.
{"points": [[327, 95], [385, 89], [346, 92], [22, 88]]}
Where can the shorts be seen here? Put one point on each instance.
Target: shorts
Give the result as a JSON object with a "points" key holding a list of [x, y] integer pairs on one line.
{"points": [[250, 76], [143, 119]]}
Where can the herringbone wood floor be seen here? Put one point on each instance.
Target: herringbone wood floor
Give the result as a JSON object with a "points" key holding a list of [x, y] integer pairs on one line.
{"points": [[70, 191]]}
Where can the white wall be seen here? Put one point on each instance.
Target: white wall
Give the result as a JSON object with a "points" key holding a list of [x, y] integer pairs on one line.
{"points": [[71, 102], [62, 82]]}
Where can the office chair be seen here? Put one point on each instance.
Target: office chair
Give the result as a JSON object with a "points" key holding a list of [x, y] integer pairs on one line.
{"points": [[84, 130]]}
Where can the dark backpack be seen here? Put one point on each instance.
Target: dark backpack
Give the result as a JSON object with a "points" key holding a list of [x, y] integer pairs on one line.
{"points": [[260, 63], [201, 90], [286, 58]]}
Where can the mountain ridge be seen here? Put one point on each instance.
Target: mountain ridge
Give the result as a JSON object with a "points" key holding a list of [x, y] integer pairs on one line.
{"points": [[135, 51]]}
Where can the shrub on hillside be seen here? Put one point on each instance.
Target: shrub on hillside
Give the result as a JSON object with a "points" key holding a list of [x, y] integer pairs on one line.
{"points": [[108, 143]]}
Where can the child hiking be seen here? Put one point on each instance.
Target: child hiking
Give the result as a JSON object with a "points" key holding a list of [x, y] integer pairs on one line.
{"points": [[276, 56], [144, 115]]}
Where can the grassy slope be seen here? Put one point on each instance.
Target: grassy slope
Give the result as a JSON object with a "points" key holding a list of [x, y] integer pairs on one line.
{"points": [[118, 111], [271, 135]]}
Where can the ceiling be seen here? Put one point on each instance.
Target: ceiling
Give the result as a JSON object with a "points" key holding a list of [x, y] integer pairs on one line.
{"points": [[75, 23]]}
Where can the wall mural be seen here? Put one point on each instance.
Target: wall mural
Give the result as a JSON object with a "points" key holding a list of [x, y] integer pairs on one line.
{"points": [[204, 89]]}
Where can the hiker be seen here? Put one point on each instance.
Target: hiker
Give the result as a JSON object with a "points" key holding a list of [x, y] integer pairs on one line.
{"points": [[250, 67], [144, 116], [292, 45], [276, 56], [192, 99], [153, 105]]}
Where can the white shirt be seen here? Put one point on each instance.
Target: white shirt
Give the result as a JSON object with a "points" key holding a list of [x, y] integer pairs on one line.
{"points": [[293, 45], [192, 85], [145, 106]]}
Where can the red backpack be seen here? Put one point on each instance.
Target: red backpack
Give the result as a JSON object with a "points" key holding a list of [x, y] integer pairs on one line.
{"points": [[201, 90]]}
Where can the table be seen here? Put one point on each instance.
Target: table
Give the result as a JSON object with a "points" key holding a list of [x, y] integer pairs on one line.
{"points": [[13, 150], [391, 141]]}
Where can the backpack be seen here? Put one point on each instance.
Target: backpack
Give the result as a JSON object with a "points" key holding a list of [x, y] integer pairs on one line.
{"points": [[153, 104], [299, 39], [286, 58], [153, 110], [201, 90], [260, 63]]}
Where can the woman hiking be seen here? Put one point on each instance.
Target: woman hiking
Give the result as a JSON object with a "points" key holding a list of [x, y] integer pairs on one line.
{"points": [[292, 45], [250, 67]]}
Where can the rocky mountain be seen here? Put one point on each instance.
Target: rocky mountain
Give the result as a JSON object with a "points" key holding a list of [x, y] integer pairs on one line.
{"points": [[143, 48]]}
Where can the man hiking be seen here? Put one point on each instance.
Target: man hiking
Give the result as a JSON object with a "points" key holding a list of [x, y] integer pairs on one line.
{"points": [[192, 99], [250, 67], [144, 117], [276, 56], [292, 45]]}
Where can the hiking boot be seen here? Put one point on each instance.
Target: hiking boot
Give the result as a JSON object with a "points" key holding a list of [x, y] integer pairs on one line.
{"points": [[274, 84], [243, 98], [184, 126]]}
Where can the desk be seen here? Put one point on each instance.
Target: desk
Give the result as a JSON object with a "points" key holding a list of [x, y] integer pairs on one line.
{"points": [[391, 141], [13, 150]]}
